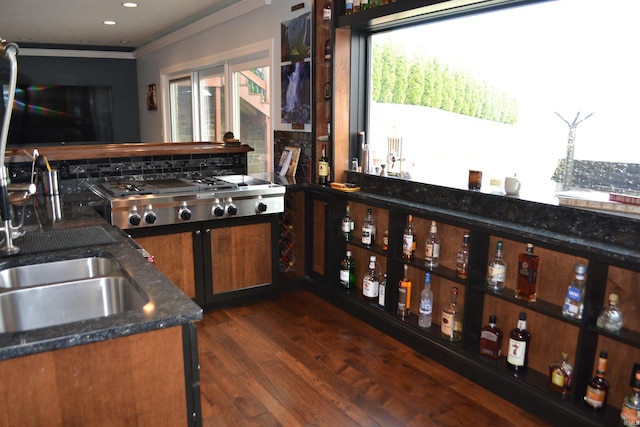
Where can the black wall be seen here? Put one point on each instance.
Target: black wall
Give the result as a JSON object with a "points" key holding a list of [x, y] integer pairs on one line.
{"points": [[120, 74]]}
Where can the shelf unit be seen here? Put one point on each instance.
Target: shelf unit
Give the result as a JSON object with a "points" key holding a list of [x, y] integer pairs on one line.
{"points": [[552, 333]]}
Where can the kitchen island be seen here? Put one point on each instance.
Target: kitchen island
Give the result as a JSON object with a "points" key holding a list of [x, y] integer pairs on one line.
{"points": [[136, 367]]}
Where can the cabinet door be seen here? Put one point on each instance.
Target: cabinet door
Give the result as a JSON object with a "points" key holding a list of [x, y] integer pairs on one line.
{"points": [[173, 256], [241, 256]]}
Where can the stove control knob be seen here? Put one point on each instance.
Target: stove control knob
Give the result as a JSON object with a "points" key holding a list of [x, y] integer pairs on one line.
{"points": [[261, 207], [232, 209], [184, 213], [134, 217], [150, 216], [218, 210]]}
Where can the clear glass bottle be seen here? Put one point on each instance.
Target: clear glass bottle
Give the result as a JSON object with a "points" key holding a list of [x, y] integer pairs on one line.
{"points": [[597, 387], [610, 317], [451, 320], [527, 275], [630, 412], [497, 270], [348, 272], [409, 240], [462, 257], [347, 225], [518, 350], [404, 294], [426, 303], [432, 247], [370, 283], [574, 301], [382, 292], [491, 339], [561, 376], [368, 229]]}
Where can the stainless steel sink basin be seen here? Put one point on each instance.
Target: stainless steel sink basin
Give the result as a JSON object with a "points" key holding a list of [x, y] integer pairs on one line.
{"points": [[24, 309], [57, 271]]}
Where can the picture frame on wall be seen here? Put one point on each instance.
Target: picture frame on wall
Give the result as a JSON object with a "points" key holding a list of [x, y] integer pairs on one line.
{"points": [[152, 97]]}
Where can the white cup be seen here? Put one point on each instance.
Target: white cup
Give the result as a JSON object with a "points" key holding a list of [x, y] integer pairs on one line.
{"points": [[511, 185]]}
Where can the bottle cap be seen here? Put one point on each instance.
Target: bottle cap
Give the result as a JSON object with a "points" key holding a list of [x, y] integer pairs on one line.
{"points": [[348, 253], [427, 277], [372, 258], [580, 269], [529, 246], [493, 319], [604, 354], [522, 316], [635, 376], [499, 245], [613, 299]]}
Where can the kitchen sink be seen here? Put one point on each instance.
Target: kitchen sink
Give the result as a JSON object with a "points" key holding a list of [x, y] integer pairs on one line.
{"points": [[23, 309], [57, 271]]}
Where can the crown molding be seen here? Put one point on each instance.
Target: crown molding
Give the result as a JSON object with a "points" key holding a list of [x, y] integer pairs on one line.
{"points": [[72, 53], [204, 24]]}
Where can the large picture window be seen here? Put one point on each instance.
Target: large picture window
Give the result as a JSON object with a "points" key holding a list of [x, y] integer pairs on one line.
{"points": [[535, 90]]}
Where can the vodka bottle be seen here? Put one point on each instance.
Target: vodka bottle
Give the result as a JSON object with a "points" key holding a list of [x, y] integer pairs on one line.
{"points": [[462, 258], [574, 301], [519, 339], [451, 320], [426, 303], [432, 247], [611, 317], [370, 284], [368, 229], [497, 270], [404, 294]]}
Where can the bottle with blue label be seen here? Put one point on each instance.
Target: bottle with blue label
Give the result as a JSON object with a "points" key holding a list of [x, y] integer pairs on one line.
{"points": [[574, 301]]}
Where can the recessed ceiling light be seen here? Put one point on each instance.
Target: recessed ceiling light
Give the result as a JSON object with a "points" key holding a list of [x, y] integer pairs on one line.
{"points": [[130, 4], [109, 22]]}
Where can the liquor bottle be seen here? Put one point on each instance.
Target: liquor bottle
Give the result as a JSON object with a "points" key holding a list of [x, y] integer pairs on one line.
{"points": [[382, 293], [519, 339], [491, 339], [426, 303], [497, 270], [630, 412], [326, 11], [385, 240], [409, 240], [348, 272], [347, 225], [404, 294], [561, 376], [364, 4], [348, 7], [368, 229], [327, 50], [432, 247], [611, 317], [462, 258], [574, 301], [597, 387], [451, 320], [356, 6], [370, 284], [527, 275], [323, 167]]}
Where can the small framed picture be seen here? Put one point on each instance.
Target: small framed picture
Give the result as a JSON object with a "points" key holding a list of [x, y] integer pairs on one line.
{"points": [[152, 97]]}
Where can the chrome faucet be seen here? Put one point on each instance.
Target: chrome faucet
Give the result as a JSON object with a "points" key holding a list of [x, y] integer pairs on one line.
{"points": [[9, 51]]}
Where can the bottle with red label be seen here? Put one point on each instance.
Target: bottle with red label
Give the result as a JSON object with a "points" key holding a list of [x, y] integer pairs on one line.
{"points": [[518, 350]]}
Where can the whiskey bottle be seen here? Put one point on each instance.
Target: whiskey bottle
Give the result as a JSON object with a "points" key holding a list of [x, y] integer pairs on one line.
{"points": [[527, 275], [323, 167], [326, 11], [426, 303], [368, 229], [497, 270], [382, 293], [404, 294], [451, 320], [611, 317], [432, 247], [597, 387], [409, 240], [356, 6], [561, 376], [574, 301], [630, 412], [348, 272], [519, 339], [491, 339], [347, 225], [462, 258], [370, 284], [385, 240]]}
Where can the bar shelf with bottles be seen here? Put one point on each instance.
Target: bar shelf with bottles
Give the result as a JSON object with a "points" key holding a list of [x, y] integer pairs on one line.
{"points": [[552, 333]]}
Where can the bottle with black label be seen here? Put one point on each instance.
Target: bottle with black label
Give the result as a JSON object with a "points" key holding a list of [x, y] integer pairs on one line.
{"points": [[518, 350]]}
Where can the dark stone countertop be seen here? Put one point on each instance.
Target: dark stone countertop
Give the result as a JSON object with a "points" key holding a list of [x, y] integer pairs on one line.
{"points": [[168, 305]]}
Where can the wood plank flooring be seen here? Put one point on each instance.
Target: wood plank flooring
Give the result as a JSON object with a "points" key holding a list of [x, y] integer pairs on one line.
{"points": [[296, 360]]}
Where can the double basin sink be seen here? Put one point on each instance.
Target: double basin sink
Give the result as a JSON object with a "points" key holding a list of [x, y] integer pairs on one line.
{"points": [[70, 290]]}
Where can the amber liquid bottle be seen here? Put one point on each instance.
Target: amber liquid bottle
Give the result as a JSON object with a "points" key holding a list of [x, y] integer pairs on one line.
{"points": [[597, 387], [404, 294], [409, 240], [491, 339], [519, 339], [527, 275]]}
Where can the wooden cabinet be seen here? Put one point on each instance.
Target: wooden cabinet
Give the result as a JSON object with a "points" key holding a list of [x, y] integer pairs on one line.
{"points": [[552, 333]]}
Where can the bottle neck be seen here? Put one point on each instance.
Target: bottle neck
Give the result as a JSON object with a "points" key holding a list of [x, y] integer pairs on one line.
{"points": [[522, 325]]}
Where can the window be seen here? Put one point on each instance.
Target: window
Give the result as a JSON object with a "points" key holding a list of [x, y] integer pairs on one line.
{"points": [[181, 109], [504, 92]]}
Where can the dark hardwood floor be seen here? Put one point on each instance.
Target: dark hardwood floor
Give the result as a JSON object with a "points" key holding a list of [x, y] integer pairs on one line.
{"points": [[296, 360]]}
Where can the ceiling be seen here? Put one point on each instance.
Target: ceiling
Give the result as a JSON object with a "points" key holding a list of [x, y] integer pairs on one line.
{"points": [[80, 22]]}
